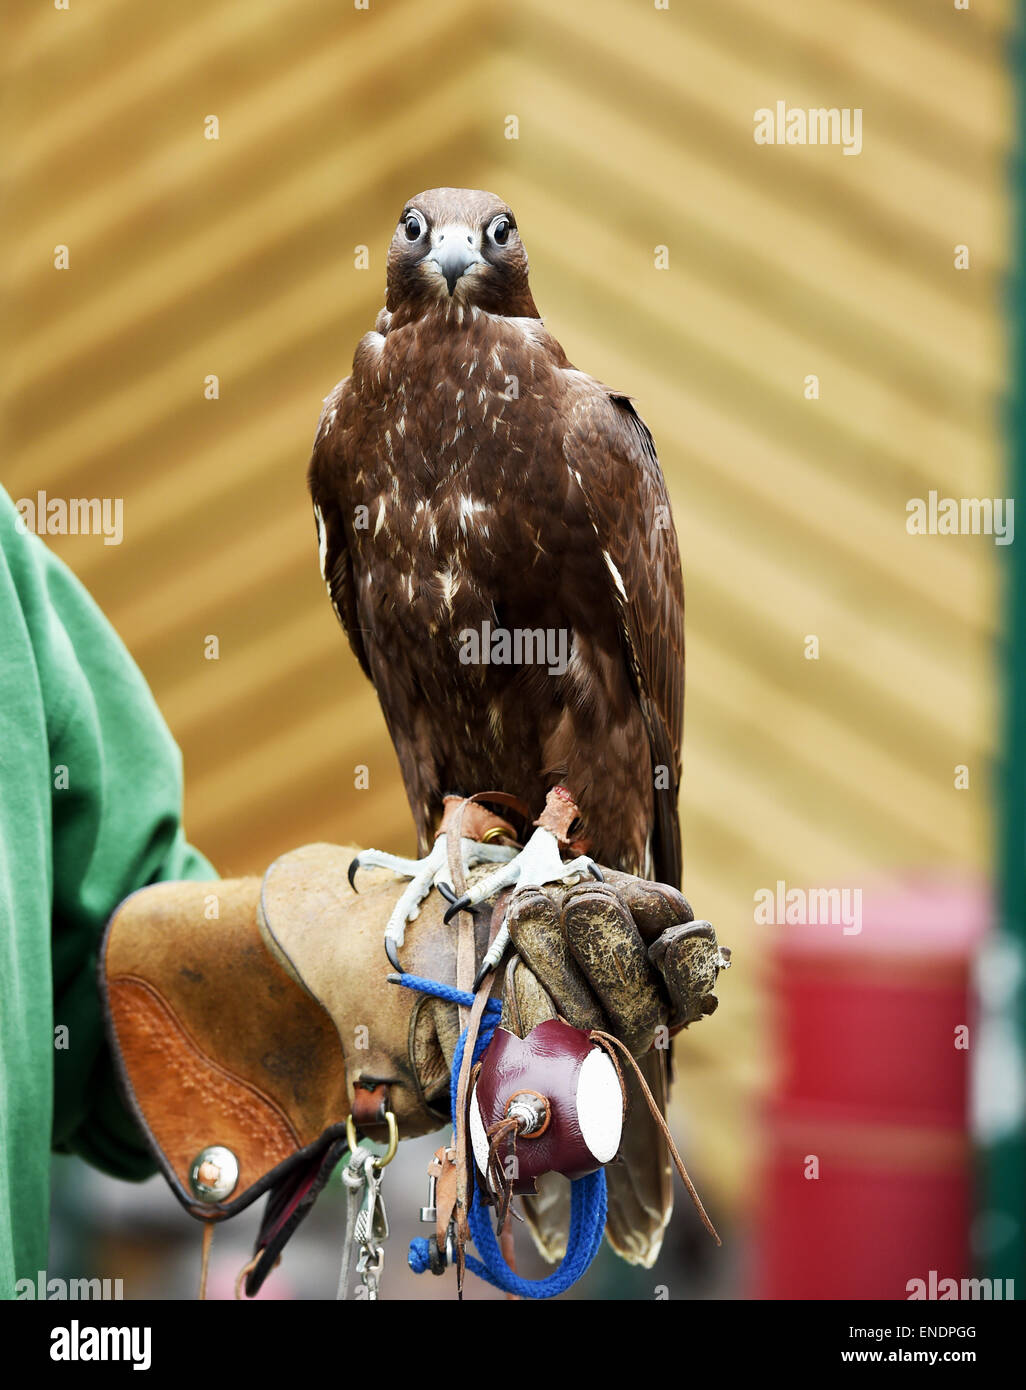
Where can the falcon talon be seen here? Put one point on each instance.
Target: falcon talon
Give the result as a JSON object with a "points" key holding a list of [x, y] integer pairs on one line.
{"points": [[539, 862], [424, 874], [493, 955], [487, 966], [458, 905]]}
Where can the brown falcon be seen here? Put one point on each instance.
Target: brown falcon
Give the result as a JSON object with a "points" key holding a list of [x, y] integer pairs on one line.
{"points": [[496, 540]]}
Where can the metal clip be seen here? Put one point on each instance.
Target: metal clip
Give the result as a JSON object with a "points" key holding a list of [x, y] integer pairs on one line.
{"points": [[438, 1257], [369, 1267], [367, 1220], [430, 1212], [372, 1221]]}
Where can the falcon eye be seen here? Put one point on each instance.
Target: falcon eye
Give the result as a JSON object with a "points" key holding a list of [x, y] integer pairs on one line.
{"points": [[414, 225], [499, 230]]}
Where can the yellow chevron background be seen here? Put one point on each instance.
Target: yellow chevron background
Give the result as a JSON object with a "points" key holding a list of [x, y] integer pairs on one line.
{"points": [[235, 257]]}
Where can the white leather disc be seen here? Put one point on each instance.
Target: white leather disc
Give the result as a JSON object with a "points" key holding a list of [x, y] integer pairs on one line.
{"points": [[600, 1105]]}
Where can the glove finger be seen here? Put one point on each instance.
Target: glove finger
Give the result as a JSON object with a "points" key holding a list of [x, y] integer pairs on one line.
{"points": [[654, 906], [607, 946], [689, 960], [525, 1001], [533, 921]]}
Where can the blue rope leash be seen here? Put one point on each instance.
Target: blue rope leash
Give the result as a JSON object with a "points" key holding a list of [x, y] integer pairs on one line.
{"points": [[587, 1195]]}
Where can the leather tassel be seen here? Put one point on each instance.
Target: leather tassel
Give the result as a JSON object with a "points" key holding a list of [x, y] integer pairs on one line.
{"points": [[607, 1041]]}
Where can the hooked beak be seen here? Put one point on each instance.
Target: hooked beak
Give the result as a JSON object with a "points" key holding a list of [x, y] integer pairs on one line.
{"points": [[454, 251]]}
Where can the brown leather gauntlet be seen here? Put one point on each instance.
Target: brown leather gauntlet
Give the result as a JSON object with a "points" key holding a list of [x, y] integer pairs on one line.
{"points": [[246, 1013], [247, 1017]]}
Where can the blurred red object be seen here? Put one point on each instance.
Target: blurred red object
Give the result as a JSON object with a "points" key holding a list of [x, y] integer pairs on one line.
{"points": [[866, 1180]]}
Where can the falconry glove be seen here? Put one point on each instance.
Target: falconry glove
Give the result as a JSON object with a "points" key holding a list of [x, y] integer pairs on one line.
{"points": [[251, 1019]]}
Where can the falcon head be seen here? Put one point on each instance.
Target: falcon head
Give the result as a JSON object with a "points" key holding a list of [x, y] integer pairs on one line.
{"points": [[458, 246]]}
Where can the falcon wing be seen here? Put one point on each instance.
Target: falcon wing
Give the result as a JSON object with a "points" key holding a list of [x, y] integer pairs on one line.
{"points": [[325, 476], [614, 460]]}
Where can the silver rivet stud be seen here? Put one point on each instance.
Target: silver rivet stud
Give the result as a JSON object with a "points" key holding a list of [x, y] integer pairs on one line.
{"points": [[214, 1174]]}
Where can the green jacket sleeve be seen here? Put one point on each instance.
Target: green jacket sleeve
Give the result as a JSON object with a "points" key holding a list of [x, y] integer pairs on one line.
{"points": [[114, 783]]}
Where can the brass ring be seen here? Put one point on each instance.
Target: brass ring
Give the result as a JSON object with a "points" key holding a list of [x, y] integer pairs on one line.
{"points": [[393, 1142], [393, 1139]]}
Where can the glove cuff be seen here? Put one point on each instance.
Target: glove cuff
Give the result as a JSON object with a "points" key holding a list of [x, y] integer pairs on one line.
{"points": [[216, 1045]]}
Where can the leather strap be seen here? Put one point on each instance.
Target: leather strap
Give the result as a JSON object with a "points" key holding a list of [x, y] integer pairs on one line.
{"points": [[608, 1042], [503, 799], [475, 822], [509, 1252], [288, 1203], [466, 955], [560, 812], [370, 1105], [466, 968], [466, 963], [443, 1169], [463, 1176]]}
